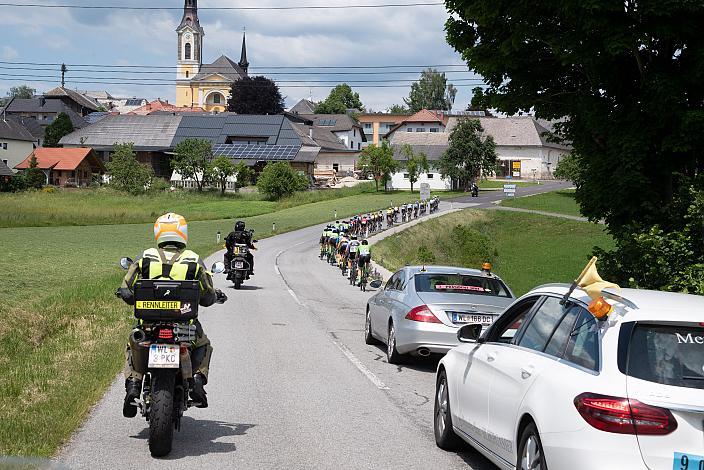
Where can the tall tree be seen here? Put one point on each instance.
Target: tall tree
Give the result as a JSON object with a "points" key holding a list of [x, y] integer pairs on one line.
{"points": [[431, 91], [126, 172], [56, 130], [255, 95], [398, 109], [469, 155], [222, 168], [415, 164], [379, 161], [623, 78], [34, 178], [340, 100], [192, 160], [21, 91]]}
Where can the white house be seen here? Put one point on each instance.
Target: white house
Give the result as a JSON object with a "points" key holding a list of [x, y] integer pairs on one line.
{"points": [[521, 145], [16, 142]]}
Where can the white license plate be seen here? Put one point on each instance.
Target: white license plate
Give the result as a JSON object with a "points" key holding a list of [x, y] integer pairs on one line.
{"points": [[164, 356], [472, 318], [239, 264]]}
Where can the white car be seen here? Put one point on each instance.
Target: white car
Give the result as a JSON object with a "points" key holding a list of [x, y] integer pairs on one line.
{"points": [[550, 386]]}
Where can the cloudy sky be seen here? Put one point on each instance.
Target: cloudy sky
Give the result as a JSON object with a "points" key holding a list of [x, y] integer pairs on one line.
{"points": [[351, 37]]}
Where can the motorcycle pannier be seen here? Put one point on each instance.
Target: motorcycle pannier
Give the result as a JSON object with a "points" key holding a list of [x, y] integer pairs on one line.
{"points": [[166, 300]]}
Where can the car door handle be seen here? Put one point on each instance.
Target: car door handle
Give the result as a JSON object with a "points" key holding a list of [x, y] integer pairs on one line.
{"points": [[526, 372], [491, 357]]}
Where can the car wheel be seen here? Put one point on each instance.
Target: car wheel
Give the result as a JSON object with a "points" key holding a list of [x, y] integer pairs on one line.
{"points": [[530, 450], [368, 338], [445, 436], [392, 354]]}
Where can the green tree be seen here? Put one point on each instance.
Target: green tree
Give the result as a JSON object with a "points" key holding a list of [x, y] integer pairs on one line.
{"points": [[339, 101], [255, 95], [569, 168], [22, 92], [431, 91], [624, 81], [244, 175], [379, 161], [279, 180], [398, 109], [192, 160], [415, 164], [34, 178], [469, 155], [126, 173], [220, 169], [56, 130]]}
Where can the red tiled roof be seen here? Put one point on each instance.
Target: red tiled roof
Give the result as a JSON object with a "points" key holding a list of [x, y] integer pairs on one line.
{"points": [[159, 105], [425, 115], [57, 158]]}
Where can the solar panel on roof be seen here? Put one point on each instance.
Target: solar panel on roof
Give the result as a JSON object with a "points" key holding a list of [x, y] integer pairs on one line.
{"points": [[257, 152]]}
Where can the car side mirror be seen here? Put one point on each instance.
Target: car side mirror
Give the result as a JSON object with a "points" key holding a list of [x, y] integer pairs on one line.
{"points": [[218, 268], [125, 263], [376, 283], [469, 333]]}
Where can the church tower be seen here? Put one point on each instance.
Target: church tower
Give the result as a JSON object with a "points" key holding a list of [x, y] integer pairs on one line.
{"points": [[190, 53]]}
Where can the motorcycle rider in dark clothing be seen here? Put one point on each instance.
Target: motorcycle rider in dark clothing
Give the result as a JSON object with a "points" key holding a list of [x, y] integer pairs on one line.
{"points": [[239, 236]]}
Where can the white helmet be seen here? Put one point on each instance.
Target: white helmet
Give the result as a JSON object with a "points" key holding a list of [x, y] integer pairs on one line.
{"points": [[171, 228]]}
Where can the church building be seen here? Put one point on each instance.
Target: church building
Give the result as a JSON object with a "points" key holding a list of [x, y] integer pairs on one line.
{"points": [[203, 85]]}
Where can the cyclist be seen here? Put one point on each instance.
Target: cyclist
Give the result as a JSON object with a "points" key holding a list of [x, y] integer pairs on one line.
{"points": [[332, 243], [342, 250], [324, 240], [365, 256], [389, 216], [416, 208], [364, 225], [351, 254]]}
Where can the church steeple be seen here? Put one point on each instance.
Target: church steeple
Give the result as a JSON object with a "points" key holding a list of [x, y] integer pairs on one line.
{"points": [[190, 16], [243, 63]]}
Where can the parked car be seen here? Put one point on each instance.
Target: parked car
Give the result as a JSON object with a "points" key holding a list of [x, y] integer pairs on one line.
{"points": [[420, 308], [550, 386]]}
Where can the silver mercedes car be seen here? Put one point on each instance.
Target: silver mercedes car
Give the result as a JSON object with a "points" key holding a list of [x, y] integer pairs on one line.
{"points": [[420, 309]]}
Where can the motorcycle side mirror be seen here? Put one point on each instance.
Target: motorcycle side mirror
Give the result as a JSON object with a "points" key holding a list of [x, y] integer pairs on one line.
{"points": [[218, 268], [375, 284], [125, 263]]}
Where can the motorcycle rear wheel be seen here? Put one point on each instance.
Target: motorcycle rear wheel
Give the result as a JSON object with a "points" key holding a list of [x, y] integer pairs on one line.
{"points": [[161, 414]]}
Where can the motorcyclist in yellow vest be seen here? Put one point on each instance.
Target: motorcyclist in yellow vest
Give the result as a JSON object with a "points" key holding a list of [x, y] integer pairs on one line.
{"points": [[171, 260]]}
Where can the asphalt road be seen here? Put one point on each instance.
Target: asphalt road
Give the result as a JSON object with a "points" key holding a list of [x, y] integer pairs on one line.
{"points": [[292, 384]]}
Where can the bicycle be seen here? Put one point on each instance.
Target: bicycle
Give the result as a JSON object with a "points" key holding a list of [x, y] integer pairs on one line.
{"points": [[353, 273], [365, 278]]}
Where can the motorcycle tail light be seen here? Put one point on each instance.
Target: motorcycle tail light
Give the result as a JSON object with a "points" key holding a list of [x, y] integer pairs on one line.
{"points": [[166, 333]]}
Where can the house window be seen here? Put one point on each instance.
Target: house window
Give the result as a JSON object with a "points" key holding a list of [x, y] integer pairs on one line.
{"points": [[354, 132], [367, 125], [336, 167], [405, 176], [216, 98], [433, 129], [4, 145], [352, 145], [430, 176], [359, 146], [5, 162], [409, 129], [188, 51], [187, 73], [420, 129]]}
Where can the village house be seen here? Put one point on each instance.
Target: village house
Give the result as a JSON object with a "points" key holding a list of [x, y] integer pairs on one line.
{"points": [[16, 142], [66, 167]]}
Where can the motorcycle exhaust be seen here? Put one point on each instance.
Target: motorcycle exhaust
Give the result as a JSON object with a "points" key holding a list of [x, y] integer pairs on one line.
{"points": [[424, 352], [137, 336]]}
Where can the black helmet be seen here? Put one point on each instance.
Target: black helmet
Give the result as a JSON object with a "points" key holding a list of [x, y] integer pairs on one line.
{"points": [[239, 226]]}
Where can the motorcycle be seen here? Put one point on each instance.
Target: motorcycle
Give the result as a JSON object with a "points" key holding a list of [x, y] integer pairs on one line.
{"points": [[239, 267], [162, 350], [474, 190]]}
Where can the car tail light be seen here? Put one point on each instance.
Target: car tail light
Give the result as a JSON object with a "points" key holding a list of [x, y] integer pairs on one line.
{"points": [[422, 314], [166, 333], [624, 416]]}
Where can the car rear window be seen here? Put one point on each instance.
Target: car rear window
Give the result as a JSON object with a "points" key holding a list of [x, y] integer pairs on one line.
{"points": [[461, 284], [668, 355]]}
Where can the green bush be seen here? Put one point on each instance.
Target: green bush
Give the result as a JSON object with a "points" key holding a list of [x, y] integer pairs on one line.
{"points": [[15, 184], [159, 185], [469, 246], [126, 173], [279, 180]]}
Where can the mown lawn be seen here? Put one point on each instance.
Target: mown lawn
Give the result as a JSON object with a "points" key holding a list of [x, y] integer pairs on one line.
{"points": [[526, 249], [63, 333], [559, 202]]}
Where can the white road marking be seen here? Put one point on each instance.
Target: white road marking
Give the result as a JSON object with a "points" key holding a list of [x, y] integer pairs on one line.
{"points": [[345, 350]]}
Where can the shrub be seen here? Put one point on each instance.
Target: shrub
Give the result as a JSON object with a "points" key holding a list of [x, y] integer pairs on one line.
{"points": [[468, 246], [15, 184], [49, 190], [159, 185], [126, 173], [34, 177], [279, 180]]}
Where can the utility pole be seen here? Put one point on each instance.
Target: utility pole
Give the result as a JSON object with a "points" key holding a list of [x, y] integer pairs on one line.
{"points": [[64, 69]]}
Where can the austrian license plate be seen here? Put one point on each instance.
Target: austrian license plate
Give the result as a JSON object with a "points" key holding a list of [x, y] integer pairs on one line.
{"points": [[688, 462], [158, 305], [164, 356], [239, 264], [471, 318]]}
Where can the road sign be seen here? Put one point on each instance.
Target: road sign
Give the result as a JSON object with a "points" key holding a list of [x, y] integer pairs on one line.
{"points": [[509, 190], [425, 191]]}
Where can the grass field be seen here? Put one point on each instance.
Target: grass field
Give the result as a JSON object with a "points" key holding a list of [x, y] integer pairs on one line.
{"points": [[560, 202], [526, 249], [63, 333]]}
